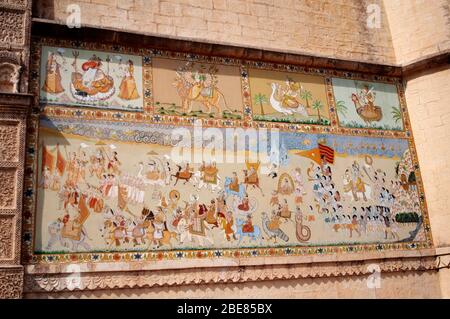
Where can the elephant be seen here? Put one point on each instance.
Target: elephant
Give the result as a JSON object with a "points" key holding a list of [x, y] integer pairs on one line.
{"points": [[54, 229]]}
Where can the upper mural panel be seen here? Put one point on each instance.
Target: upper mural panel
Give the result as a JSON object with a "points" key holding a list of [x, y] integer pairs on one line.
{"points": [[75, 77], [288, 97], [364, 104], [203, 90]]}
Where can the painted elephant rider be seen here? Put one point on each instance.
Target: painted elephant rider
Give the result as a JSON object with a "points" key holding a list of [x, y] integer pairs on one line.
{"points": [[201, 86], [358, 185], [248, 226], [209, 173], [234, 185], [291, 92]]}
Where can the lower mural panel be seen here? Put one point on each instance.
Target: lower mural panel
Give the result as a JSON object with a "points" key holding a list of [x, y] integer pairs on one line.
{"points": [[117, 187]]}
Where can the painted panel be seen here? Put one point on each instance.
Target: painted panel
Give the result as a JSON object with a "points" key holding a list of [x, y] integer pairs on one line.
{"points": [[300, 189], [197, 89], [364, 104], [75, 77], [288, 97]]}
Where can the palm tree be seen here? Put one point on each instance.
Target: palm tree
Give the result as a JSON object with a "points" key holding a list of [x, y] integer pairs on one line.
{"points": [[396, 114], [260, 99], [317, 105], [306, 95], [341, 108]]}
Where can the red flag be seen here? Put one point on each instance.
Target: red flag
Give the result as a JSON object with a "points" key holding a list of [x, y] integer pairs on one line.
{"points": [[60, 162], [328, 152], [47, 159]]}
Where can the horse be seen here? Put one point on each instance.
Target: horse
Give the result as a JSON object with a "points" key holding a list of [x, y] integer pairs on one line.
{"points": [[186, 176], [255, 235], [228, 191]]}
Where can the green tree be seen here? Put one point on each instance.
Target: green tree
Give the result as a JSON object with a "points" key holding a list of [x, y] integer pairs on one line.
{"points": [[341, 108], [260, 99], [317, 105], [396, 114], [306, 95]]}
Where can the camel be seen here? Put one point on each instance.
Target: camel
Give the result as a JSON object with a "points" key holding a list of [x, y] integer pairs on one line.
{"points": [[185, 90]]}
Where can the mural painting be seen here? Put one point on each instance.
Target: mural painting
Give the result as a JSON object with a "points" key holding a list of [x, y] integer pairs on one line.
{"points": [[349, 182], [288, 97], [76, 77], [192, 88], [324, 190], [363, 104]]}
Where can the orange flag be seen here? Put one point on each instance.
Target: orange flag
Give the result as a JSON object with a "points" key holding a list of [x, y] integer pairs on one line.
{"points": [[60, 162], [47, 159], [313, 154]]}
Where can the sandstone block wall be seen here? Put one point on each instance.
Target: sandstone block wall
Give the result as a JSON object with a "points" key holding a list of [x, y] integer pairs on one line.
{"points": [[428, 100], [326, 28], [418, 28]]}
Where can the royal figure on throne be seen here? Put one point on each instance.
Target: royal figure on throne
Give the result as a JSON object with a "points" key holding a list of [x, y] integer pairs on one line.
{"points": [[92, 83]]}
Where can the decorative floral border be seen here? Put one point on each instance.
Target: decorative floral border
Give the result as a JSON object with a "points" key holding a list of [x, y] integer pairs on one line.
{"points": [[148, 115]]}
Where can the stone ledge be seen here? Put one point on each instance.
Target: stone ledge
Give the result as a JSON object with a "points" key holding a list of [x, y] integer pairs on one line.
{"points": [[159, 278], [19, 102], [164, 265]]}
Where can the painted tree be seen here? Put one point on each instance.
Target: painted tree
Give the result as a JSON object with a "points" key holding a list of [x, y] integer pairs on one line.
{"points": [[396, 114], [306, 95], [260, 99], [341, 108], [317, 105]]}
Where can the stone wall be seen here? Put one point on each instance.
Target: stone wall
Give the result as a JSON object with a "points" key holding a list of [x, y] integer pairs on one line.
{"points": [[418, 28], [326, 28], [428, 99]]}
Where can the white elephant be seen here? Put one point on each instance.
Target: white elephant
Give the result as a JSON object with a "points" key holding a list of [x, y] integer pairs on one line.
{"points": [[54, 230]]}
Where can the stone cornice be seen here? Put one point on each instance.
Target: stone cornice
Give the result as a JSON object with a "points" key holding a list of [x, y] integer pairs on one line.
{"points": [[157, 278], [15, 102]]}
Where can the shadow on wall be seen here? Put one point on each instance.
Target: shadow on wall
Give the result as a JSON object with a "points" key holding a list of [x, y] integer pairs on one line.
{"points": [[44, 9]]}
